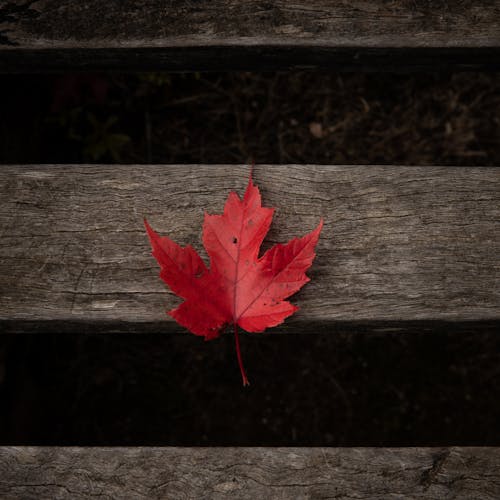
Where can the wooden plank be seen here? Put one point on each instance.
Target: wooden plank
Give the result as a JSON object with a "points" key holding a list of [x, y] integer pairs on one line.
{"points": [[249, 473], [41, 35], [402, 247]]}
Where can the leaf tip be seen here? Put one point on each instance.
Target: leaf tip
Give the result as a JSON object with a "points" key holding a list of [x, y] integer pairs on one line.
{"points": [[149, 229]]}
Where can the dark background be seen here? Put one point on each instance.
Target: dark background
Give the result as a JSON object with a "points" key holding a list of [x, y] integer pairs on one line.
{"points": [[336, 389]]}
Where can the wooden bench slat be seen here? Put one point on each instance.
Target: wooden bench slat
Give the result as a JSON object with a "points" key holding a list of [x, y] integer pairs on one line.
{"points": [[249, 473], [402, 247], [225, 34]]}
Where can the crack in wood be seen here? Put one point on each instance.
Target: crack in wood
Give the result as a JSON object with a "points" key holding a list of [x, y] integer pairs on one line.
{"points": [[429, 476], [13, 13]]}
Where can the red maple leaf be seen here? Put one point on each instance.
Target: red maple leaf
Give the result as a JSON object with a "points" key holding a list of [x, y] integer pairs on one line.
{"points": [[239, 288]]}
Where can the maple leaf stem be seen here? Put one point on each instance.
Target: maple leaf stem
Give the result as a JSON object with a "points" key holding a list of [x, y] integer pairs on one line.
{"points": [[238, 353]]}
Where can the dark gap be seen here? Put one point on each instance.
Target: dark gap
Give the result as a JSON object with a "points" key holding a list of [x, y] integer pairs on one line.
{"points": [[306, 390], [279, 117]]}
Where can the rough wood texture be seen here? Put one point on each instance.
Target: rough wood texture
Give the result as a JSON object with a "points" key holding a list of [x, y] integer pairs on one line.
{"points": [[249, 473], [230, 34], [402, 247]]}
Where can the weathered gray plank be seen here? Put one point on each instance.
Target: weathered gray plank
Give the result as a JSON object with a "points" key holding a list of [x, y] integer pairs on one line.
{"points": [[401, 247], [229, 34], [249, 473]]}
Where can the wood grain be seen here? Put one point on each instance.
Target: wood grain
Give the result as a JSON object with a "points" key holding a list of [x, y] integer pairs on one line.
{"points": [[402, 247], [249, 473], [229, 34]]}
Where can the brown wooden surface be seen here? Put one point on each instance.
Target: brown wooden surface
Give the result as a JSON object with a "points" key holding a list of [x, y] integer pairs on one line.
{"points": [[402, 247], [249, 473], [230, 34]]}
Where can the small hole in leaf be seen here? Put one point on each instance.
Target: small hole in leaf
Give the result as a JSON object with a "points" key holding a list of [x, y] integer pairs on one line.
{"points": [[235, 240]]}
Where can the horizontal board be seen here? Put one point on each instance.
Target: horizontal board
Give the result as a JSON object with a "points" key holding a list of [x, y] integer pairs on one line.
{"points": [[249, 473], [401, 248], [226, 34]]}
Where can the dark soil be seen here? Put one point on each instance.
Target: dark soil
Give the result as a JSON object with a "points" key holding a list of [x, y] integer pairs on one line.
{"points": [[356, 389], [447, 119]]}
